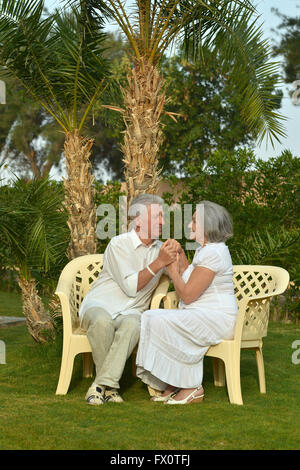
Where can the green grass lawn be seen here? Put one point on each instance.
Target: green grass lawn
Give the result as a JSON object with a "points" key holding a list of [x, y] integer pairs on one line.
{"points": [[33, 417], [10, 304]]}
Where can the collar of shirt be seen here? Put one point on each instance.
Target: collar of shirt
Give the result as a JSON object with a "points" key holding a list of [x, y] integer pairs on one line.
{"points": [[137, 241]]}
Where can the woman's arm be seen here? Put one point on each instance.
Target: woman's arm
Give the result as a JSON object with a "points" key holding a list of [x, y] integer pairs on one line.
{"points": [[198, 282], [183, 261]]}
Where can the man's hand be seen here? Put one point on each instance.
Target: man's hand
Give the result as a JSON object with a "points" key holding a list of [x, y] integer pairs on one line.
{"points": [[168, 252], [181, 263], [174, 244]]}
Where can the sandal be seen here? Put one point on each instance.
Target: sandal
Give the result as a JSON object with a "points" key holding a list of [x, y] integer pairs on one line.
{"points": [[95, 395], [112, 395], [191, 398], [166, 397]]}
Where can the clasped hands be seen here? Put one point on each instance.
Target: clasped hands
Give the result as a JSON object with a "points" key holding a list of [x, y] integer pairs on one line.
{"points": [[169, 254]]}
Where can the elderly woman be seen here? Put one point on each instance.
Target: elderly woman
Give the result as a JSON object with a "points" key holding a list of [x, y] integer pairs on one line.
{"points": [[173, 342]]}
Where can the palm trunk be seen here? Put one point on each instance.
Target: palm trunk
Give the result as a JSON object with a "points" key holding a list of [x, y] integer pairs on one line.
{"points": [[79, 196], [144, 100], [38, 320]]}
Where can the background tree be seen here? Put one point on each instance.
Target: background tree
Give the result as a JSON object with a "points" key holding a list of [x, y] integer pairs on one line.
{"points": [[105, 127], [210, 113], [58, 60], [29, 137], [33, 141], [288, 46], [150, 27], [34, 237]]}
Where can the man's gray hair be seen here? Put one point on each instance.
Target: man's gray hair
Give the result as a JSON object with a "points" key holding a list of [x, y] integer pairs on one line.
{"points": [[141, 202], [218, 225]]}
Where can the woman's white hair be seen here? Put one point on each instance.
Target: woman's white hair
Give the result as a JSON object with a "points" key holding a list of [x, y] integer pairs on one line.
{"points": [[218, 225], [140, 203]]}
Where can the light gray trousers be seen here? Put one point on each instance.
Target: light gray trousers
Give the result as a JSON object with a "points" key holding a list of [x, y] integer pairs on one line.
{"points": [[112, 342]]}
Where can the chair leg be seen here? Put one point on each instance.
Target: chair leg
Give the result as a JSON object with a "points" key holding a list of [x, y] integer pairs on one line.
{"points": [[88, 365], [219, 372], [63, 367], [233, 379], [261, 370], [65, 370]]}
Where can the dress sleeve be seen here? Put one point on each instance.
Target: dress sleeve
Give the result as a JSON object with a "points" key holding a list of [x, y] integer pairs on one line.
{"points": [[208, 258]]}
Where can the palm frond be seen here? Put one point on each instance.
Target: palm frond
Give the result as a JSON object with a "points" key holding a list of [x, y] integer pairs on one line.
{"points": [[33, 225], [58, 59], [267, 247]]}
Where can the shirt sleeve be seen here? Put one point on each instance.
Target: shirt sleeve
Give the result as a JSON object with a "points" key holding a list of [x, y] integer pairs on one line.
{"points": [[118, 264], [210, 259]]}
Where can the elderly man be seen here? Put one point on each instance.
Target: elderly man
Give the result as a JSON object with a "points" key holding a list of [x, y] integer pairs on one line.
{"points": [[110, 312]]}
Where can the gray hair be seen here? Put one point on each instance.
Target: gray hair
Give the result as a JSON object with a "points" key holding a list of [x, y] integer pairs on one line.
{"points": [[218, 225], [140, 202]]}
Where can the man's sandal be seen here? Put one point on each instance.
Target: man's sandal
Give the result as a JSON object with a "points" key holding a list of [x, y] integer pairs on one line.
{"points": [[95, 395], [112, 395]]}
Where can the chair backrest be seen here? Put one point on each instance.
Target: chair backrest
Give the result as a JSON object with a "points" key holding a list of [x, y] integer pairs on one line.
{"points": [[74, 282], [251, 281], [251, 285]]}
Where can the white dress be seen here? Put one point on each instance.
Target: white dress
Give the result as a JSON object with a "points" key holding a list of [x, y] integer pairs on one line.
{"points": [[173, 342]]}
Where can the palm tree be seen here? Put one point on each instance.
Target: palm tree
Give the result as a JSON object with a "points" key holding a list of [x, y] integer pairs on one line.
{"points": [[34, 237], [58, 61], [225, 27]]}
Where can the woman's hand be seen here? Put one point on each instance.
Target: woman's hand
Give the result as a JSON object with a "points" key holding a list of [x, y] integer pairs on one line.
{"points": [[174, 244], [173, 268], [183, 262], [167, 253]]}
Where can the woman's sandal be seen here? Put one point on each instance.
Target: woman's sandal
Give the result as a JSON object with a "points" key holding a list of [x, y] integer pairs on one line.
{"points": [[191, 398], [166, 397]]}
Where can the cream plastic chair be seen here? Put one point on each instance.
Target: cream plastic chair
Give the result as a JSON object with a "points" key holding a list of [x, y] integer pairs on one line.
{"points": [[254, 288], [74, 282]]}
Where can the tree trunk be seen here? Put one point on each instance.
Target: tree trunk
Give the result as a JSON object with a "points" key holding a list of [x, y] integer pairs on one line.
{"points": [[37, 171], [35, 168], [38, 321], [79, 196], [144, 99]]}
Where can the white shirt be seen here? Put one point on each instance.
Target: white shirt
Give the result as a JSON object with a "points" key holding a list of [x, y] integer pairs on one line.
{"points": [[115, 290]]}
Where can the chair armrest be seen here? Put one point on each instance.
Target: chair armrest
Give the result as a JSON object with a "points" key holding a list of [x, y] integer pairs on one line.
{"points": [[249, 302], [160, 292], [64, 285], [63, 296], [171, 300], [266, 296]]}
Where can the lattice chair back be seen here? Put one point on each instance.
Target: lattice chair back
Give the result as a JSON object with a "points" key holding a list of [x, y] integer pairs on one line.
{"points": [[83, 279], [74, 282], [259, 282]]}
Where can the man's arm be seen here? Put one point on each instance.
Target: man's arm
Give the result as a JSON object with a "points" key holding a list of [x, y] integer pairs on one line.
{"points": [[167, 255], [130, 281]]}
